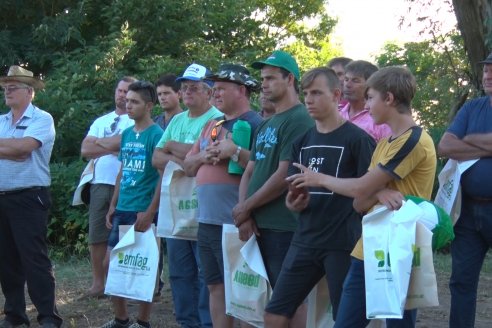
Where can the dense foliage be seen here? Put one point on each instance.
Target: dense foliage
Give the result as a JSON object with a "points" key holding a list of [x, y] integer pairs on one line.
{"points": [[81, 48]]}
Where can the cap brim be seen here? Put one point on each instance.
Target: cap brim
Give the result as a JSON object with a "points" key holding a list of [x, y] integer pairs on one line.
{"points": [[260, 64], [190, 78], [31, 81]]}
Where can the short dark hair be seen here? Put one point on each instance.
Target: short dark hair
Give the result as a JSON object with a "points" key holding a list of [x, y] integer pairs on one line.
{"points": [[145, 89], [331, 77], [285, 73], [168, 80], [361, 68], [127, 79], [399, 81], [338, 61]]}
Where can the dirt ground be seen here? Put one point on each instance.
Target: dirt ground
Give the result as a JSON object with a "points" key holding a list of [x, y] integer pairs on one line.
{"points": [[73, 279]]}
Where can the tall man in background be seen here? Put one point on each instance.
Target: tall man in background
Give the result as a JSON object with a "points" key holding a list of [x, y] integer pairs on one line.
{"points": [[102, 144], [27, 135], [261, 208]]}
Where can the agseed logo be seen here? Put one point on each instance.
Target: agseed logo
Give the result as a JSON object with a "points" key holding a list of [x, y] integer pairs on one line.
{"points": [[134, 261], [188, 204], [380, 255], [246, 279]]}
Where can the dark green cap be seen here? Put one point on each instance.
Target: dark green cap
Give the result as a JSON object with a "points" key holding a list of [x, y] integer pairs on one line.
{"points": [[280, 59]]}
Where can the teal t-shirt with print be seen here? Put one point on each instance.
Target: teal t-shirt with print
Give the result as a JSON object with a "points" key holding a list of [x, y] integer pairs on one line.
{"points": [[138, 178]]}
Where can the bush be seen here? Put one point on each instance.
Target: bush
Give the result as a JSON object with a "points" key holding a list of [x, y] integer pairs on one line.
{"points": [[67, 229]]}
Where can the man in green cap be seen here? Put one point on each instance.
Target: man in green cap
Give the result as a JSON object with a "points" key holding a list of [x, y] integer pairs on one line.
{"points": [[261, 208]]}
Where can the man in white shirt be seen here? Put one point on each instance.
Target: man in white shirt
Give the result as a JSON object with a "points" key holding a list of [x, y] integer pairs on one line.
{"points": [[102, 145]]}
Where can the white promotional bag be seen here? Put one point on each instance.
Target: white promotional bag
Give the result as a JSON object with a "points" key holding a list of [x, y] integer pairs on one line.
{"points": [[448, 195], [247, 290], [319, 311], [389, 237], [178, 208], [133, 266], [422, 291]]}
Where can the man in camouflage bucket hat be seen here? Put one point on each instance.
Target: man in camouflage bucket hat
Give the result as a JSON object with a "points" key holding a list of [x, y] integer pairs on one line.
{"points": [[236, 74]]}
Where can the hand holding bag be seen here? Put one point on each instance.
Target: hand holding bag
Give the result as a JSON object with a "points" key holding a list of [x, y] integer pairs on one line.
{"points": [[133, 266], [247, 290], [178, 208]]}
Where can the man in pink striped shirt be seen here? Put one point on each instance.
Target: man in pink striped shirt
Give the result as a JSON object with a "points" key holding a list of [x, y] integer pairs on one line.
{"points": [[354, 90]]}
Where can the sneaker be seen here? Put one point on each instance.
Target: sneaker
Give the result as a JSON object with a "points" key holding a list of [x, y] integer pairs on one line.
{"points": [[115, 324], [7, 324], [137, 325]]}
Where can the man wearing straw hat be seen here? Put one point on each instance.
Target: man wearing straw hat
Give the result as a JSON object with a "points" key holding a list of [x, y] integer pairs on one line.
{"points": [[27, 134]]}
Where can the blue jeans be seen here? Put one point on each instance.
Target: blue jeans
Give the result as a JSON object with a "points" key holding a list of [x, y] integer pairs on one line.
{"points": [[352, 308], [190, 293], [473, 238]]}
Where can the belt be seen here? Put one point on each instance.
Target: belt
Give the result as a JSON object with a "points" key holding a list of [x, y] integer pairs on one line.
{"points": [[479, 199], [17, 191]]}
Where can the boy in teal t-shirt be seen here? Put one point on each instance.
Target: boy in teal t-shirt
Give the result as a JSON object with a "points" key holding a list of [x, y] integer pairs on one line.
{"points": [[136, 193]]}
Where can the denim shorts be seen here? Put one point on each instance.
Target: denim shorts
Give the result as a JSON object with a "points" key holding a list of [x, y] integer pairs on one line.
{"points": [[122, 218], [210, 252]]}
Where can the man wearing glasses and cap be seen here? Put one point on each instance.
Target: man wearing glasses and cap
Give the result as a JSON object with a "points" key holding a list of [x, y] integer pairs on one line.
{"points": [[102, 144], [217, 186], [190, 294], [27, 134]]}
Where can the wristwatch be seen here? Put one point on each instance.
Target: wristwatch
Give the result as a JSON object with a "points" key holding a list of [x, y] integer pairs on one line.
{"points": [[235, 156]]}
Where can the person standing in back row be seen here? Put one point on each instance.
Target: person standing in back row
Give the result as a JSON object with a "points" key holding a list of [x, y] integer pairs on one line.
{"points": [[102, 144]]}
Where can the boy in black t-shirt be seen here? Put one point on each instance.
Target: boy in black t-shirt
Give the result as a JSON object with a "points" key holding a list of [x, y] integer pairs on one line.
{"points": [[328, 226]]}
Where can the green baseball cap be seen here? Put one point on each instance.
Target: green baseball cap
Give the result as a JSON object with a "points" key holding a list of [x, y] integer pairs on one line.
{"points": [[280, 59]]}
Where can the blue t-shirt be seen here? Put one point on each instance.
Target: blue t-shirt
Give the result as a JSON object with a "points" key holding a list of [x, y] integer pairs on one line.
{"points": [[475, 117], [138, 178]]}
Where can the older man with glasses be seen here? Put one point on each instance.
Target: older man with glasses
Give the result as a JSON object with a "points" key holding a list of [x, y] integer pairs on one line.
{"points": [[101, 145], [190, 294], [27, 135]]}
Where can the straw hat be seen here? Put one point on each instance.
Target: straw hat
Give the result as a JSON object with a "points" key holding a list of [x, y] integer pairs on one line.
{"points": [[22, 75]]}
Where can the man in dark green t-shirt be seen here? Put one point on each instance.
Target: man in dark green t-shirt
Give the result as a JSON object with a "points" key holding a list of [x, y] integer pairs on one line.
{"points": [[261, 208]]}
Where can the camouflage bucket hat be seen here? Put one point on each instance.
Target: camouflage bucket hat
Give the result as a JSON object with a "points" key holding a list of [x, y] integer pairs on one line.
{"points": [[236, 74]]}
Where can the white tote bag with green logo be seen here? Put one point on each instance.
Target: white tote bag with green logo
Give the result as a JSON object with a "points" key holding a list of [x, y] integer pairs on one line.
{"points": [[133, 266], [178, 207], [389, 243], [247, 290]]}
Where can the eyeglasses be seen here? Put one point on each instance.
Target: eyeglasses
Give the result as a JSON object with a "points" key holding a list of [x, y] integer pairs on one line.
{"points": [[214, 134], [13, 88], [190, 88], [114, 124]]}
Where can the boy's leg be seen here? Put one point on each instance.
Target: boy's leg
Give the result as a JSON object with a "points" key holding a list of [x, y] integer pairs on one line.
{"points": [[119, 308], [144, 310], [300, 272], [352, 308], [336, 264]]}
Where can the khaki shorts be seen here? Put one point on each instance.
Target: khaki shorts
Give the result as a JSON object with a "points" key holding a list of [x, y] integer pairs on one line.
{"points": [[101, 195]]}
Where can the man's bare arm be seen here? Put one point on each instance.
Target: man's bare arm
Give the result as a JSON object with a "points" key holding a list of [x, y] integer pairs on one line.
{"points": [[178, 149], [93, 147], [451, 146], [18, 149], [480, 140]]}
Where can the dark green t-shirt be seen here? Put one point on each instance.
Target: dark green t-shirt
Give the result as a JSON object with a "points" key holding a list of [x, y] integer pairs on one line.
{"points": [[272, 144]]}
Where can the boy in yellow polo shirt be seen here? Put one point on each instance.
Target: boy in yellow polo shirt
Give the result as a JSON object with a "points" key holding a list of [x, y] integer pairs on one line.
{"points": [[403, 163]]}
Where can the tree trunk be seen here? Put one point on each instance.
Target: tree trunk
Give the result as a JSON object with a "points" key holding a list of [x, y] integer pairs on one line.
{"points": [[472, 17]]}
